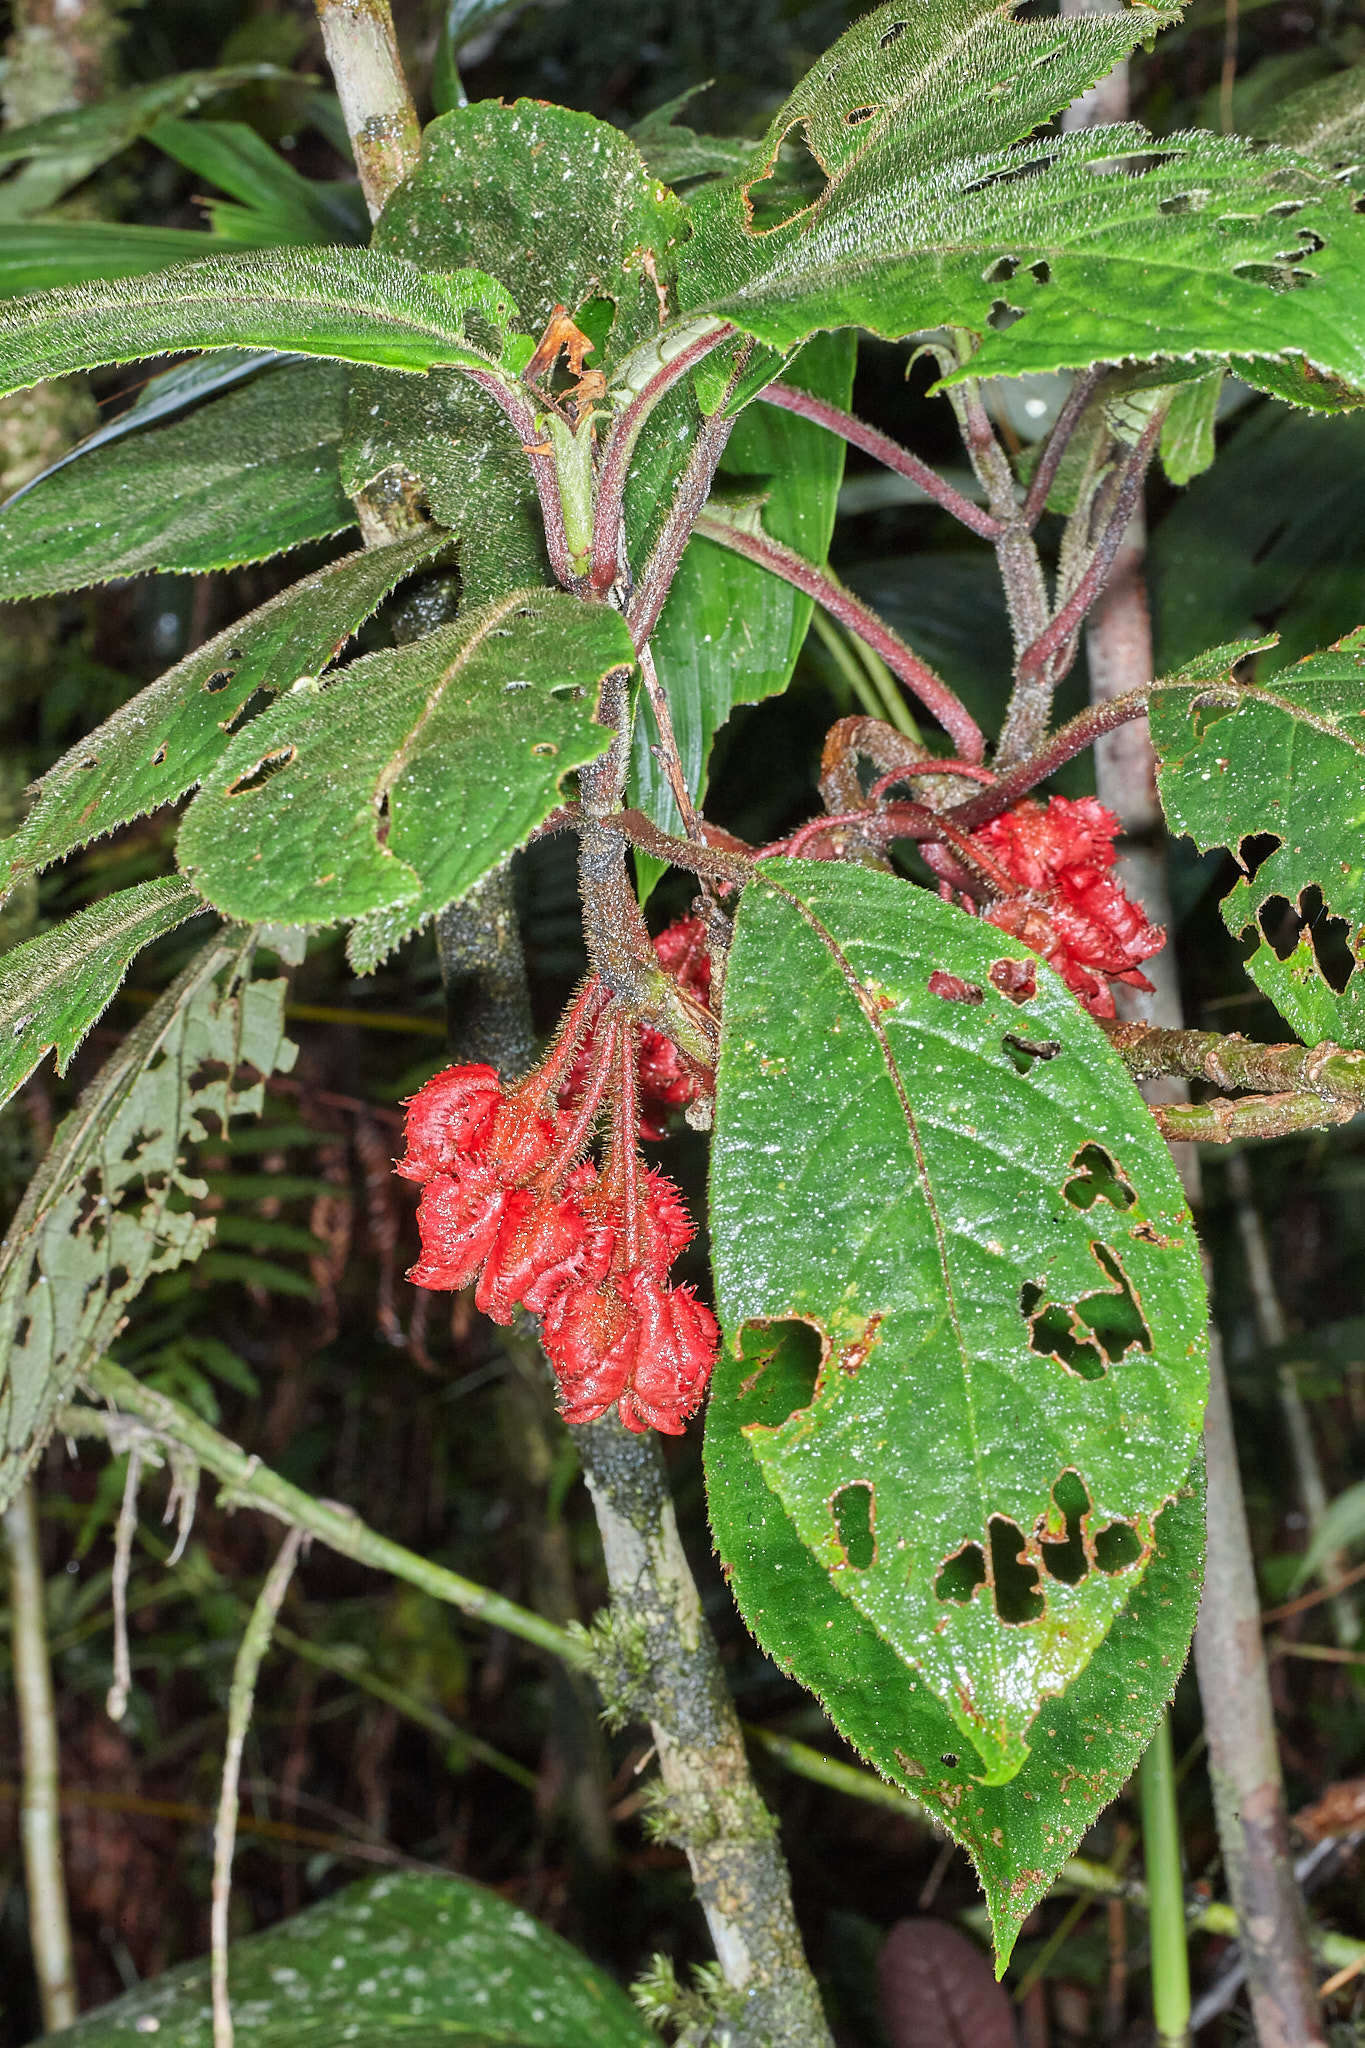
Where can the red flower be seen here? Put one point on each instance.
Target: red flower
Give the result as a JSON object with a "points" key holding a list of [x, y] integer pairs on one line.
{"points": [[458, 1219], [672, 1349], [540, 1252], [449, 1118], [582, 1335], [1070, 909]]}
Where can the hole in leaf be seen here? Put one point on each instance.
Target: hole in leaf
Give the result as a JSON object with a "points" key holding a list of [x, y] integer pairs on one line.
{"points": [[1054, 1332], [892, 34], [1003, 315], [90, 761], [1117, 1547], [255, 703], [1256, 849], [953, 989], [1330, 939], [269, 765], [21, 1333], [1277, 277], [158, 757], [383, 820], [1001, 271], [801, 169], [1025, 1052], [117, 1278], [1017, 979], [1017, 1597], [1041, 271], [1207, 711], [780, 1365], [964, 1571], [544, 748], [1115, 1317], [219, 680], [949, 1757], [856, 115], [1064, 1558], [1281, 924], [853, 1508], [1096, 1178]]}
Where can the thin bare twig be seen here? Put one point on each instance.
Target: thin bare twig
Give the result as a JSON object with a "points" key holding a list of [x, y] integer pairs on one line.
{"points": [[886, 451], [116, 1701], [936, 696]]}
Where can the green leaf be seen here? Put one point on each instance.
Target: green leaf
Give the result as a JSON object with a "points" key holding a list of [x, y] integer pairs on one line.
{"points": [[40, 255], [167, 738], [420, 1960], [1247, 545], [677, 154], [54, 987], [965, 1195], [1341, 1528], [99, 132], [249, 476], [283, 206], [353, 304], [107, 1207], [1085, 1743], [1187, 435], [1288, 761], [413, 773], [1093, 247], [730, 632]]}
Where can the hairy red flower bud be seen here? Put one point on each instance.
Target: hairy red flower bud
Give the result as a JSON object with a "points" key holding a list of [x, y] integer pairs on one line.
{"points": [[672, 1346], [448, 1119], [1070, 908], [522, 1138], [458, 1219], [665, 1226], [541, 1251], [582, 1334]]}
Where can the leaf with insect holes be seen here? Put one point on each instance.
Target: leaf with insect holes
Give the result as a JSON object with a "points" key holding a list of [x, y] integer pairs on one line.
{"points": [[165, 739], [409, 1957], [351, 304], [1066, 251], [1279, 779], [730, 632], [1085, 1743], [413, 773], [248, 476], [942, 1166], [54, 987], [111, 1203]]}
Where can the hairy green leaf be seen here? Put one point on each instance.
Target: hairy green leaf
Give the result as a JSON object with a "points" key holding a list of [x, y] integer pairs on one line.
{"points": [[40, 255], [730, 631], [1187, 436], [167, 738], [414, 772], [1077, 249], [277, 204], [108, 1206], [1325, 120], [415, 1959], [54, 987], [1085, 1743], [959, 1188], [249, 476], [352, 304], [1279, 779]]}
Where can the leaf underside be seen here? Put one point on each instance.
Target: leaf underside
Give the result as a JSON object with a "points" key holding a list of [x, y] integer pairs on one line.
{"points": [[167, 738], [1279, 779], [967, 1199], [409, 776], [108, 1207]]}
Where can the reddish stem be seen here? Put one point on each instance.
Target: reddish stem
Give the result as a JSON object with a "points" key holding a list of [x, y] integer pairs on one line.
{"points": [[1049, 462], [1071, 739], [585, 1115], [543, 471], [886, 451], [694, 485], [935, 695], [933, 766], [584, 1009], [902, 821], [627, 1134]]}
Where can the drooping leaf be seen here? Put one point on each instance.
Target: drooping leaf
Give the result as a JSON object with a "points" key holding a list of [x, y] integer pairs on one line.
{"points": [[281, 206], [417, 1959], [167, 738], [413, 773], [108, 1206], [1238, 550], [1187, 436], [1279, 780], [41, 255], [1085, 1743], [962, 1192], [99, 131], [164, 396], [352, 304], [1093, 247], [251, 475], [730, 632], [54, 987], [567, 215]]}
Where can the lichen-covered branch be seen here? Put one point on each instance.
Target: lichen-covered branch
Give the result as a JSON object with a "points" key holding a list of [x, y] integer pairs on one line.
{"points": [[1228, 1120], [381, 120], [1232, 1061], [659, 1661]]}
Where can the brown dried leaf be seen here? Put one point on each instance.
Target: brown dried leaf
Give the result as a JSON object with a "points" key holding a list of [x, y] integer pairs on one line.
{"points": [[938, 1990]]}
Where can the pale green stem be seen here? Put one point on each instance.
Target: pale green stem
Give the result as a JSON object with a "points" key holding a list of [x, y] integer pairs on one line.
{"points": [[1165, 1890]]}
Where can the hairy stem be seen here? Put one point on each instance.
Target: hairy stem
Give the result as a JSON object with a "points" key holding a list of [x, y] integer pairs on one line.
{"points": [[886, 451], [1149, 1050], [40, 1822], [694, 487], [1064, 426], [1225, 1121], [381, 120], [711, 1806], [931, 690]]}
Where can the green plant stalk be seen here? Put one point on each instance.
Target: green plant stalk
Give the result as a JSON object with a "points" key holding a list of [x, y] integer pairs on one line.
{"points": [[1165, 1890], [40, 1824], [250, 1482]]}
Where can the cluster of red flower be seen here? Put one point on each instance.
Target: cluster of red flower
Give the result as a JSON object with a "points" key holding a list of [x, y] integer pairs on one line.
{"points": [[1070, 909], [509, 1201]]}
